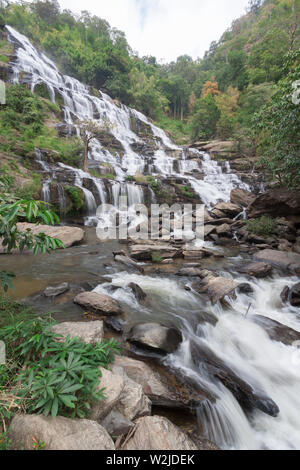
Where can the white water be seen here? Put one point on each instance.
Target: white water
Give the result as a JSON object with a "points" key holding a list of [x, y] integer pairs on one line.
{"points": [[268, 366]]}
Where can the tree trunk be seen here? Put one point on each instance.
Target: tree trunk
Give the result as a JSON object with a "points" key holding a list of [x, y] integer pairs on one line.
{"points": [[85, 158]]}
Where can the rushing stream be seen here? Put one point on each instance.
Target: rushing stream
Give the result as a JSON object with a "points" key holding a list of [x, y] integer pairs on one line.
{"points": [[270, 367]]}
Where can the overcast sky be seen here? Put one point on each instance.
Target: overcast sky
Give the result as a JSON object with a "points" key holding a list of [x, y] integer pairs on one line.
{"points": [[165, 28]]}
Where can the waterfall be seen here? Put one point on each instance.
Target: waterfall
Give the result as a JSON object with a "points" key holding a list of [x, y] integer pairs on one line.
{"points": [[80, 104]]}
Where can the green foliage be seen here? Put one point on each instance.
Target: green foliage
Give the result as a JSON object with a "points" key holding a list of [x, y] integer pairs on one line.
{"points": [[76, 197], [156, 258], [187, 192], [6, 280], [263, 226], [55, 376], [277, 127], [31, 190], [205, 119]]}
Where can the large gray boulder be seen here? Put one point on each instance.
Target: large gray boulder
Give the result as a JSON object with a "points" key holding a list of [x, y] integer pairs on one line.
{"points": [[282, 259], [215, 287], [226, 208], [259, 270], [158, 433], [113, 386], [68, 235], [58, 433], [277, 202], [89, 332], [155, 337], [98, 303]]}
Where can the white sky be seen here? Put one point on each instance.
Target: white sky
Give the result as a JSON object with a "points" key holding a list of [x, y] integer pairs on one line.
{"points": [[165, 29]]}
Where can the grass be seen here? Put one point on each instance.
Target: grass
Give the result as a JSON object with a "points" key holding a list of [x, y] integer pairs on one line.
{"points": [[263, 226], [180, 131]]}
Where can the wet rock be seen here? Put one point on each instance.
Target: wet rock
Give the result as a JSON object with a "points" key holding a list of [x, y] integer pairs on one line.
{"points": [[163, 388], [138, 292], [145, 252], [89, 332], [259, 270], [98, 303], [245, 288], [292, 295], [215, 287], [277, 331], [68, 235], [190, 272], [277, 202], [158, 433], [130, 263], [66, 130], [244, 393], [116, 424], [281, 259], [56, 290], [155, 337], [227, 208], [58, 433], [241, 197], [224, 230]]}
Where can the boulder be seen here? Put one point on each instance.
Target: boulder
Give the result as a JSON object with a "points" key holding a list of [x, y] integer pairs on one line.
{"points": [[68, 235], [292, 295], [138, 292], [89, 332], [215, 287], [158, 433], [55, 291], [155, 337], [163, 388], [190, 272], [116, 424], [113, 385], [145, 252], [130, 263], [204, 358], [224, 229], [209, 229], [277, 202], [98, 303], [58, 433], [259, 270], [241, 197], [227, 208], [281, 259], [277, 331]]}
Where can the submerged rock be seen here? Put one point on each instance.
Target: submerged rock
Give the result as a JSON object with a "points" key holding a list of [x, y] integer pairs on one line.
{"points": [[155, 337], [145, 252], [292, 295], [55, 291], [58, 433], [158, 433], [98, 303], [259, 270], [244, 393], [89, 332], [138, 292], [130, 263], [277, 331]]}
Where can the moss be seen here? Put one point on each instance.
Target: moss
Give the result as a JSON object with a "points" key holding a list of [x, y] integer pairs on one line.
{"points": [[4, 58], [187, 192], [108, 176], [76, 197]]}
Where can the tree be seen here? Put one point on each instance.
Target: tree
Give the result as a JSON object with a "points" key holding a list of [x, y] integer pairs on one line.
{"points": [[90, 130], [210, 87], [205, 119]]}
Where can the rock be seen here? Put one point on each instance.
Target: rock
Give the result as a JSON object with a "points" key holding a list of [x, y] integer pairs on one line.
{"points": [[224, 230], [116, 424], [89, 332], [204, 358], [163, 389], [190, 272], [259, 270], [202, 253], [145, 252], [245, 288], [55, 291], [281, 259], [209, 229], [158, 433], [155, 337], [292, 295], [277, 202], [138, 292], [215, 287], [68, 235], [98, 303], [133, 403], [227, 208], [114, 385], [241, 197], [58, 433], [130, 263], [277, 331]]}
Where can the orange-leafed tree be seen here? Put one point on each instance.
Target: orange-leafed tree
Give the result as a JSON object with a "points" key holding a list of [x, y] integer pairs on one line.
{"points": [[211, 87]]}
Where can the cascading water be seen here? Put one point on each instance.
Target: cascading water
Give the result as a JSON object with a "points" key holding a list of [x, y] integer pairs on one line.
{"points": [[80, 104]]}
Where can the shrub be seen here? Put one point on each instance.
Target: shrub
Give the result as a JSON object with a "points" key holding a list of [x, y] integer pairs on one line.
{"points": [[156, 258], [263, 226], [76, 198]]}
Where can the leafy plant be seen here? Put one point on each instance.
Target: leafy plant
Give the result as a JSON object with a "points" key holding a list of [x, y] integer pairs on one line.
{"points": [[156, 258], [263, 226]]}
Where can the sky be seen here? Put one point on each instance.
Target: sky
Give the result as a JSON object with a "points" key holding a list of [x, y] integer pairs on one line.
{"points": [[166, 29]]}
